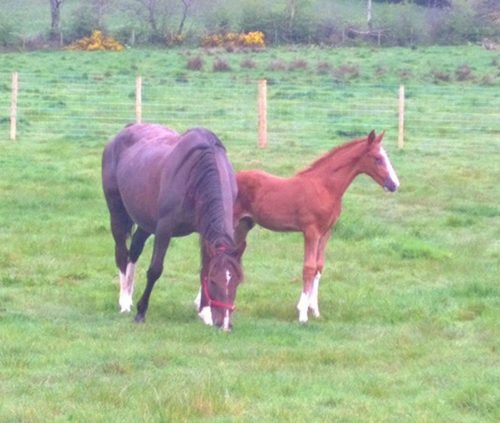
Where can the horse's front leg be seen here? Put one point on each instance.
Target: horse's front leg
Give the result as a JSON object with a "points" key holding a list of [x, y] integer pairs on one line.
{"points": [[320, 262], [201, 302], [154, 272], [311, 242]]}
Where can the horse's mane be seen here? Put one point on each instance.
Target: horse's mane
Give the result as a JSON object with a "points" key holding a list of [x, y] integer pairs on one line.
{"points": [[341, 155], [204, 188]]}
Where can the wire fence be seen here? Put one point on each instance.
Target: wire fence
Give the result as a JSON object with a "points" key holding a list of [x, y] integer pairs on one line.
{"points": [[96, 106]]}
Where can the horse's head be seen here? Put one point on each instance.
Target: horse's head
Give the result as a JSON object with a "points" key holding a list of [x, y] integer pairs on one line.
{"points": [[375, 162], [223, 276]]}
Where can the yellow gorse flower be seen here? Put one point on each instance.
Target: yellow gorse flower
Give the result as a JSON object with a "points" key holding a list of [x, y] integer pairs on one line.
{"points": [[249, 39], [96, 41]]}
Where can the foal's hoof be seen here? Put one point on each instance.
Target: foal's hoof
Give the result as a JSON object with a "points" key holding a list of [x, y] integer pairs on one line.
{"points": [[139, 318]]}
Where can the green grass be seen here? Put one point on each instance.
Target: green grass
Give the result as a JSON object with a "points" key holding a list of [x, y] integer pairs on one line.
{"points": [[409, 296]]}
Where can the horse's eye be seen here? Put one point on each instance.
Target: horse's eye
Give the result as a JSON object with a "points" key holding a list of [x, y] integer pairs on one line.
{"points": [[379, 160]]}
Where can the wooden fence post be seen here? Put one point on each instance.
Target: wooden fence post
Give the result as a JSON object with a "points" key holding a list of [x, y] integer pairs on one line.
{"points": [[13, 107], [262, 113], [138, 99], [401, 117]]}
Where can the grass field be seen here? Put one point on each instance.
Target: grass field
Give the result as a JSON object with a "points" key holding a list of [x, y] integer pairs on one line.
{"points": [[409, 298]]}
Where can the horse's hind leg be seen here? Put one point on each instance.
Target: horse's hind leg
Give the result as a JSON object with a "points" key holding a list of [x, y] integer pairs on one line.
{"points": [[311, 241], [121, 225], [127, 280]]}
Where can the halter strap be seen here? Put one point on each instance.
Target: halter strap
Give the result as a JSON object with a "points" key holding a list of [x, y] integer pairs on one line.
{"points": [[212, 302], [223, 248]]}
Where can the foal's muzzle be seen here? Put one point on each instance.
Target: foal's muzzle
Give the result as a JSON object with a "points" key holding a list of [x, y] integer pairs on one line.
{"points": [[390, 185]]}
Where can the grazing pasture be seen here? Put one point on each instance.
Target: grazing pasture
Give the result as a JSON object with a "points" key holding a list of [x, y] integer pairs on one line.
{"points": [[409, 296]]}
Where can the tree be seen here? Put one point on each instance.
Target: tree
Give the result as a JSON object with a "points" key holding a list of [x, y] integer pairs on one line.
{"points": [[55, 15], [369, 14], [100, 8], [186, 4]]}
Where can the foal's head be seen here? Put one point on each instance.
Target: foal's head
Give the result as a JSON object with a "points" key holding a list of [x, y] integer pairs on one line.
{"points": [[223, 277], [375, 162]]}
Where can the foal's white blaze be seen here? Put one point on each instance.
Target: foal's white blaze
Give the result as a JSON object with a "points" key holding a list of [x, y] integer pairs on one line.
{"points": [[126, 288], [388, 164]]}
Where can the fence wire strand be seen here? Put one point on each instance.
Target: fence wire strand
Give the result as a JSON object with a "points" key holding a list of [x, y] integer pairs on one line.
{"points": [[97, 106]]}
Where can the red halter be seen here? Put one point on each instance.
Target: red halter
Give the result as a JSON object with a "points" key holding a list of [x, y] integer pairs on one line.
{"points": [[215, 303]]}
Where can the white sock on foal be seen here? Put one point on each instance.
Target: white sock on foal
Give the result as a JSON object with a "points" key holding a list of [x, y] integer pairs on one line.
{"points": [[313, 295], [309, 301]]}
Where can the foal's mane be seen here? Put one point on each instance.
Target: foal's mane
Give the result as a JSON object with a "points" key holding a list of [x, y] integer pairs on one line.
{"points": [[340, 156]]}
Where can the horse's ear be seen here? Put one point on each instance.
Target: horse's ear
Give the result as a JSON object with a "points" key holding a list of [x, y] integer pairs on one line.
{"points": [[371, 137]]}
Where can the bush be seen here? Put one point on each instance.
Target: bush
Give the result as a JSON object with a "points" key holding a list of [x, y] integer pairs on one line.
{"points": [[404, 25], [248, 64], [195, 64], [460, 25], [7, 35], [220, 65], [229, 40], [82, 24], [97, 41]]}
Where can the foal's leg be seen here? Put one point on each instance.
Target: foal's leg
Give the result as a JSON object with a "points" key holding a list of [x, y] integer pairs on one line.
{"points": [[155, 269], [127, 285], [320, 262], [311, 241]]}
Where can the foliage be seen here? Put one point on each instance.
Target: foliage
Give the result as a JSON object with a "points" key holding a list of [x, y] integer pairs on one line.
{"points": [[253, 39], [169, 23], [7, 32], [82, 23], [96, 41]]}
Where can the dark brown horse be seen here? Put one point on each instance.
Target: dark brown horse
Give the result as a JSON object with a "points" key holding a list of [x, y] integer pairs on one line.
{"points": [[171, 185], [309, 202]]}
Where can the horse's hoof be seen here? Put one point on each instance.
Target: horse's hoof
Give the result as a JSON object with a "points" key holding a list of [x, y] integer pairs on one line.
{"points": [[139, 318]]}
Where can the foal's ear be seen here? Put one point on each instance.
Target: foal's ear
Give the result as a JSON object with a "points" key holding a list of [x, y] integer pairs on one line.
{"points": [[371, 137], [380, 137]]}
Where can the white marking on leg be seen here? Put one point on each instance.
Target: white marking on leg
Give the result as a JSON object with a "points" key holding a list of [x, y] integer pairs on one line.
{"points": [[206, 315], [302, 306], [228, 279], [313, 295], [127, 288], [226, 321], [388, 164], [197, 300]]}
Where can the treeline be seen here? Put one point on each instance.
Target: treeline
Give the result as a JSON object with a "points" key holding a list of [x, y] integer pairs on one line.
{"points": [[325, 22]]}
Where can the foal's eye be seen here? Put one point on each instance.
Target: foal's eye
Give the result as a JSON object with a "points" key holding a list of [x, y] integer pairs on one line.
{"points": [[379, 160]]}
